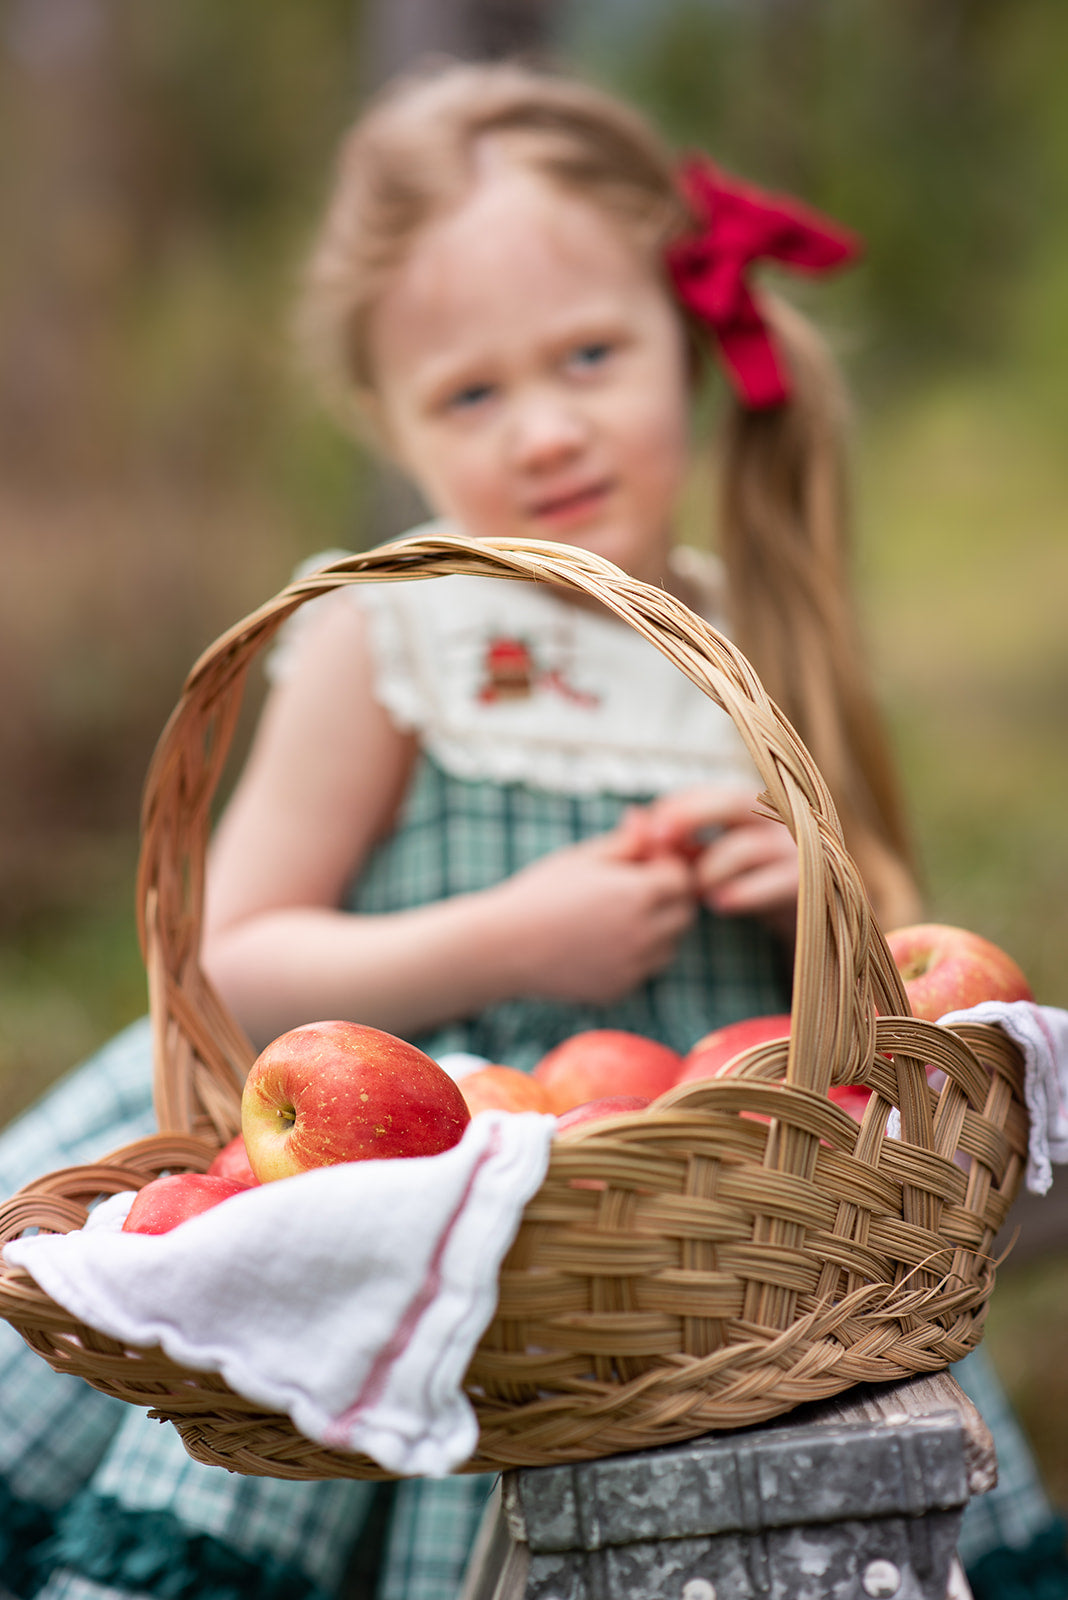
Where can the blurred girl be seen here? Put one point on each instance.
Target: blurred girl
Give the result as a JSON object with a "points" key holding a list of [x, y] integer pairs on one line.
{"points": [[477, 814]]}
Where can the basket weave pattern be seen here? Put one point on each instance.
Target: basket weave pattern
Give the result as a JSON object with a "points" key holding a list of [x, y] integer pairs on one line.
{"points": [[737, 1250]]}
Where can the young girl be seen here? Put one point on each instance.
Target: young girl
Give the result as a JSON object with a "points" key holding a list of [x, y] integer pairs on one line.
{"points": [[478, 814]]}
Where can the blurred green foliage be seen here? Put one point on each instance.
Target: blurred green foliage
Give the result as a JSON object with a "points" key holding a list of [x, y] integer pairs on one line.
{"points": [[927, 125]]}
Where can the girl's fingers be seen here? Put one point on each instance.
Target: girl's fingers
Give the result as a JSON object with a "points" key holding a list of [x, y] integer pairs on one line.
{"points": [[743, 849], [665, 940], [672, 882], [678, 818], [753, 872], [675, 915], [748, 869], [665, 872], [767, 889], [632, 839]]}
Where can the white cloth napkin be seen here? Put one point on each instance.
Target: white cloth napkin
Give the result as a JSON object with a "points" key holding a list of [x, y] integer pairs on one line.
{"points": [[351, 1297], [461, 1063], [1042, 1035]]}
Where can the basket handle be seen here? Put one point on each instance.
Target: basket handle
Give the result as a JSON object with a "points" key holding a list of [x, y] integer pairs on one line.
{"points": [[843, 971]]}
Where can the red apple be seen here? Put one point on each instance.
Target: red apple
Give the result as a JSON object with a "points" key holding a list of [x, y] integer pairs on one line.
{"points": [[612, 1105], [605, 1061], [232, 1162], [165, 1202], [949, 969], [338, 1091], [716, 1055], [504, 1089], [717, 1049], [852, 1097]]}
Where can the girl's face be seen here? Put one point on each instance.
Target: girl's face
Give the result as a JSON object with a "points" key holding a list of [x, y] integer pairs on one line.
{"points": [[531, 374]]}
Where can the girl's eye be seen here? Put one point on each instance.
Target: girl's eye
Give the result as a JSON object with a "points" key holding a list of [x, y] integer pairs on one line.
{"points": [[593, 354], [471, 395]]}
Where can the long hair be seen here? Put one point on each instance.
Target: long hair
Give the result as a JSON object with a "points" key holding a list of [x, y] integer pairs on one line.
{"points": [[783, 533]]}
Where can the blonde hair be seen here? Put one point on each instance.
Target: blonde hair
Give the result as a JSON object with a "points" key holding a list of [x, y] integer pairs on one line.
{"points": [[412, 157]]}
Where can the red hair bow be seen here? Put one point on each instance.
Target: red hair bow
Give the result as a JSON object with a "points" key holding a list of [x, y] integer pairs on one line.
{"points": [[742, 224]]}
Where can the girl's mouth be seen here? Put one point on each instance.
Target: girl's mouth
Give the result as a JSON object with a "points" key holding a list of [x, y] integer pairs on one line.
{"points": [[572, 506]]}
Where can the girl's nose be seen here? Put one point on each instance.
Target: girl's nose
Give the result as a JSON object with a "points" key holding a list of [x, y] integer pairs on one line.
{"points": [[546, 430]]}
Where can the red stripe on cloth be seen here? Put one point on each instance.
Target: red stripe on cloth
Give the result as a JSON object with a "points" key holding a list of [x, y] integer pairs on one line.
{"points": [[375, 1382]]}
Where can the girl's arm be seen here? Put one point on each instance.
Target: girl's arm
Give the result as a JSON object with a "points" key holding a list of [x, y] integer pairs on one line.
{"points": [[326, 774]]}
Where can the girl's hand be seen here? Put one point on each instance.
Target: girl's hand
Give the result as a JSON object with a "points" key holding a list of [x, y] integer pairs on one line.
{"points": [[744, 864], [592, 921]]}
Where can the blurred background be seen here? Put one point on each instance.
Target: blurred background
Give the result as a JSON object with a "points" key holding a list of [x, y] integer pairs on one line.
{"points": [[162, 467]]}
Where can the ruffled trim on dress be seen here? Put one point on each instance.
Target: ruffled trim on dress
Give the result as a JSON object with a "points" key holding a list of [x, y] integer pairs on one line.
{"points": [[152, 1553], [581, 772]]}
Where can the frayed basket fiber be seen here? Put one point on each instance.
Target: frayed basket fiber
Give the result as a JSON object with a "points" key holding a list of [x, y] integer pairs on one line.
{"points": [[738, 1249]]}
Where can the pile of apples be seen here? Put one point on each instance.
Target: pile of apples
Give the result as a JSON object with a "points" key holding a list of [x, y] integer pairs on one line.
{"points": [[332, 1092]]}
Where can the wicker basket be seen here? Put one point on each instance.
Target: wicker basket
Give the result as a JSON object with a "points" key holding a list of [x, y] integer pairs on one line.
{"points": [[744, 1246]]}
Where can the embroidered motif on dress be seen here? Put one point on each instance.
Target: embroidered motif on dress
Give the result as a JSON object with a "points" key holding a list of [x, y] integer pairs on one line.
{"points": [[511, 672]]}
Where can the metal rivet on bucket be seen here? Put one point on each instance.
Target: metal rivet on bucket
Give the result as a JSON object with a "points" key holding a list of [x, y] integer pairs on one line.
{"points": [[881, 1580]]}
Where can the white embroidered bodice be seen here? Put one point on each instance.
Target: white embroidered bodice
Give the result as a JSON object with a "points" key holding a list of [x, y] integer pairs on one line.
{"points": [[512, 683]]}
